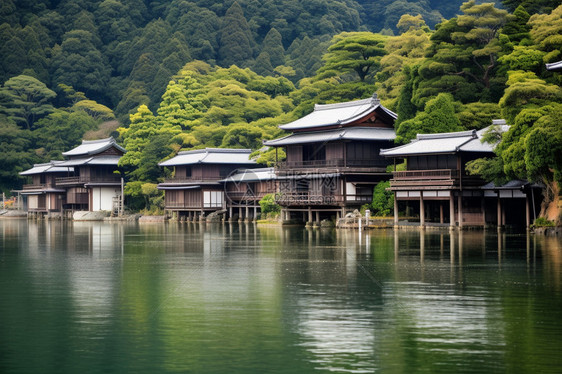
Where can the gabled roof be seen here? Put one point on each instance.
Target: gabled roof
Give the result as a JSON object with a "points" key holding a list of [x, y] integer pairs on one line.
{"points": [[211, 156], [555, 66], [338, 114], [251, 175], [92, 147], [514, 184], [351, 133], [100, 160], [49, 167], [443, 143]]}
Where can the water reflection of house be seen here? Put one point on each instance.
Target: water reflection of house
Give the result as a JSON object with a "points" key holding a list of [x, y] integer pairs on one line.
{"points": [[196, 188], [87, 180], [437, 188], [333, 160]]}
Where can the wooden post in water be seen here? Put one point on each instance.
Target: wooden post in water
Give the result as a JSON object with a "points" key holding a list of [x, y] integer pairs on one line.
{"points": [[422, 211]]}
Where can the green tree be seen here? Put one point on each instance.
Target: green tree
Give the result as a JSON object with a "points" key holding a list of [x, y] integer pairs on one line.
{"points": [[462, 58], [356, 52], [383, 200], [236, 42], [81, 65], [532, 6], [273, 46], [61, 131], [545, 32], [16, 155], [517, 28], [439, 116], [263, 65], [24, 100]]}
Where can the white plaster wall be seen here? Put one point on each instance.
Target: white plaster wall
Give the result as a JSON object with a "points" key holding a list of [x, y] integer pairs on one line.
{"points": [[102, 197], [32, 201]]}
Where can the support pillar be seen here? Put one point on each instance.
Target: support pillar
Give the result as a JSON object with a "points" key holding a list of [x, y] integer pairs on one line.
{"points": [[441, 219], [318, 217], [422, 211], [460, 209], [310, 214], [483, 210], [395, 211], [500, 216], [451, 210], [527, 212]]}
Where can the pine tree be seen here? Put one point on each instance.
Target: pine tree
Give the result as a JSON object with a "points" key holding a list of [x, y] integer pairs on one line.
{"points": [[273, 45], [235, 38]]}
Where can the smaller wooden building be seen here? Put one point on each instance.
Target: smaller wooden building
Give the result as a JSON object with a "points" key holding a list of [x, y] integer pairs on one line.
{"points": [[437, 189], [42, 196], [88, 179], [196, 188], [244, 190]]}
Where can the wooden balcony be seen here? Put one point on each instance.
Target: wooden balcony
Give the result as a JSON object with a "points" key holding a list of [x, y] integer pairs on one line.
{"points": [[311, 199], [192, 180], [377, 166], [432, 178], [35, 186], [74, 181]]}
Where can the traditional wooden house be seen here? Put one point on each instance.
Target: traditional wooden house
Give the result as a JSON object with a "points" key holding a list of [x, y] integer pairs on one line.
{"points": [[333, 160], [42, 196], [96, 183], [436, 187], [196, 188], [244, 190], [87, 180]]}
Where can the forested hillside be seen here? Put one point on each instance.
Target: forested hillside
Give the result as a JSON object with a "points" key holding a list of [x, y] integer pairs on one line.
{"points": [[170, 75]]}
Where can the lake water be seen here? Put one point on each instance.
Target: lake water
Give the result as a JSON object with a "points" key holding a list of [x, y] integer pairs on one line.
{"points": [[80, 297]]}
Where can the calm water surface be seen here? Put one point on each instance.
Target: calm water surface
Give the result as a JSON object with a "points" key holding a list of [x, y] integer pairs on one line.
{"points": [[184, 298]]}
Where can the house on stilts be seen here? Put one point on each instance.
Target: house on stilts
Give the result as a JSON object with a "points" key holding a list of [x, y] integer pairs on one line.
{"points": [[333, 161], [436, 189], [215, 179], [88, 180]]}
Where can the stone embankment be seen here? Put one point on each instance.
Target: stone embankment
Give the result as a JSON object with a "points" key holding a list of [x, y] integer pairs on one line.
{"points": [[11, 213]]}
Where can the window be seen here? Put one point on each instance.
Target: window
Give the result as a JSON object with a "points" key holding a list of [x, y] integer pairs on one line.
{"points": [[212, 199]]}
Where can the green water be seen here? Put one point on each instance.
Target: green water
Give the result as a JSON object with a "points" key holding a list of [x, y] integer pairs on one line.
{"points": [[184, 298]]}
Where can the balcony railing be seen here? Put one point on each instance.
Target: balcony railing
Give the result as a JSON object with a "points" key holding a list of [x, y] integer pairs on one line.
{"points": [[336, 163], [425, 174], [305, 198], [68, 181], [34, 186], [193, 180]]}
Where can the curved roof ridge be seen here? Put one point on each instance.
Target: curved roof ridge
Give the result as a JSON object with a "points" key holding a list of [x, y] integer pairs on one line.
{"points": [[214, 150], [345, 104], [445, 135], [110, 139]]}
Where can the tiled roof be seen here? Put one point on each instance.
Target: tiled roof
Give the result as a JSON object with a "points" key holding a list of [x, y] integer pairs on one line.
{"points": [[555, 66], [49, 167], [338, 114], [100, 160], [92, 147], [352, 133], [452, 142], [211, 156], [251, 175]]}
